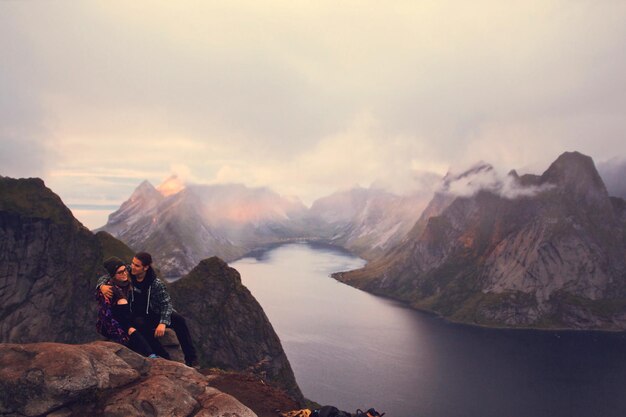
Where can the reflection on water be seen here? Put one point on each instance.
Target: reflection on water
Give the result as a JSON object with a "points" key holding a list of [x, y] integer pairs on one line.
{"points": [[354, 350]]}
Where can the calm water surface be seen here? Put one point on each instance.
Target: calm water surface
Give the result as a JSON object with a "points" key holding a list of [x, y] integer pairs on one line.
{"points": [[354, 350]]}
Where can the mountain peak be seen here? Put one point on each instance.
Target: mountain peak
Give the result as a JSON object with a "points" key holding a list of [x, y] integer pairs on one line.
{"points": [[577, 173], [221, 285], [552, 258], [144, 188], [572, 160], [145, 192], [142, 200], [172, 185], [31, 197]]}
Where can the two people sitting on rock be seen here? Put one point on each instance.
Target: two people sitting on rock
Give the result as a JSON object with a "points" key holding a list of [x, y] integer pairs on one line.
{"points": [[150, 306], [115, 319]]}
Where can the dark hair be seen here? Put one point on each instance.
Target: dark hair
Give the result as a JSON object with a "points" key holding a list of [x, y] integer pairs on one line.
{"points": [[144, 258]]}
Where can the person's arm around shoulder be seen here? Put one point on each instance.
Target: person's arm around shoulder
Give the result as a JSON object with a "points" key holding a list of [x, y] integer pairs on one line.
{"points": [[101, 285]]}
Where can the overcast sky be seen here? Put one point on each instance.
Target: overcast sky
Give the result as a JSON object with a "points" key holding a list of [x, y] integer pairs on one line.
{"points": [[305, 97]]}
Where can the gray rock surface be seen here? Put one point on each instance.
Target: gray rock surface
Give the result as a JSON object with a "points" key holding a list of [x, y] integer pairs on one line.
{"points": [[170, 343], [229, 310], [104, 378], [47, 267], [366, 221]]}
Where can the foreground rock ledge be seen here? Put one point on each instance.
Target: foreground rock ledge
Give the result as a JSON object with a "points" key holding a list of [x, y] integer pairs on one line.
{"points": [[104, 379]]}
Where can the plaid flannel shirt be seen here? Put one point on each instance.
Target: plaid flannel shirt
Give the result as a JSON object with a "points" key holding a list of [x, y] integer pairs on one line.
{"points": [[160, 302]]}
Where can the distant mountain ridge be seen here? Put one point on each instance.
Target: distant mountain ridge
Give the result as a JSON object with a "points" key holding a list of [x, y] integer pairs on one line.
{"points": [[181, 224], [229, 220], [531, 251], [483, 240], [555, 257], [366, 221], [186, 224]]}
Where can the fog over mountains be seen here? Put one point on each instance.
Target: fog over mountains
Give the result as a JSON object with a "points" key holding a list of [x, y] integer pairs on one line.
{"points": [[183, 224]]}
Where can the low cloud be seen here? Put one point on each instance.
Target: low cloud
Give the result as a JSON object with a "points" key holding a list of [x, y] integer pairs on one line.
{"points": [[483, 177]]}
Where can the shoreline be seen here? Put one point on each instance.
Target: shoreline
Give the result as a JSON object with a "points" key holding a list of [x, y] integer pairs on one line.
{"points": [[434, 314]]}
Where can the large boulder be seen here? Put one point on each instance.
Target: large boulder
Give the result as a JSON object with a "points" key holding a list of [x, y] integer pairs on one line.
{"points": [[104, 378]]}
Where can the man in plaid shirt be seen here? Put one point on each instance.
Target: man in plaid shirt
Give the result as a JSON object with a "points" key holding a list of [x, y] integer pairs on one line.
{"points": [[151, 305]]}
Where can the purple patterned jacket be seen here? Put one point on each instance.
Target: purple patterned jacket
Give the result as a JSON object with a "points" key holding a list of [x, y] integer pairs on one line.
{"points": [[106, 325]]}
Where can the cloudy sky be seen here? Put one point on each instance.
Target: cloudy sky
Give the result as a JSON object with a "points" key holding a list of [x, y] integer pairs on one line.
{"points": [[304, 97]]}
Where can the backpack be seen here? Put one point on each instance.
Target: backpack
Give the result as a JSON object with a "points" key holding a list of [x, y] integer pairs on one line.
{"points": [[369, 413], [305, 412]]}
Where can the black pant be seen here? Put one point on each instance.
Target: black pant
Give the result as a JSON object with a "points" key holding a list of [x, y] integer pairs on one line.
{"points": [[148, 324], [138, 341], [184, 337], [144, 325], [139, 344]]}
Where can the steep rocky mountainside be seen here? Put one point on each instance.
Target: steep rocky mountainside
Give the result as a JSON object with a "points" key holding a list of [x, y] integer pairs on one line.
{"points": [[104, 379], [229, 310], [180, 226], [49, 264], [47, 267], [553, 257], [142, 203], [365, 221]]}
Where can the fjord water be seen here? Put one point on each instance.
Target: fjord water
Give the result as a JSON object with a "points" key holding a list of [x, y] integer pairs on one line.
{"points": [[355, 350]]}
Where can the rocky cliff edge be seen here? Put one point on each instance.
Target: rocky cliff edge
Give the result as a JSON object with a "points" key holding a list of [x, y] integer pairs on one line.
{"points": [[104, 379]]}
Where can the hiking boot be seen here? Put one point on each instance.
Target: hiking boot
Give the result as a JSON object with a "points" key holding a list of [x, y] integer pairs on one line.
{"points": [[192, 363]]}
